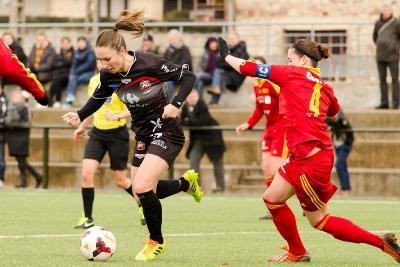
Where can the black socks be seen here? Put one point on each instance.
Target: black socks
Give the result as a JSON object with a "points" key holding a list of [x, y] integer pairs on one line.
{"points": [[166, 188], [88, 197], [129, 190], [152, 211]]}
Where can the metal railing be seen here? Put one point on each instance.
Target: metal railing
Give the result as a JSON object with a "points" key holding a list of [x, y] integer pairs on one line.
{"points": [[47, 127], [267, 38]]}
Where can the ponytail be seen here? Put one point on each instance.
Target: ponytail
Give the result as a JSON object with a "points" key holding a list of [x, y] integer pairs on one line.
{"points": [[129, 21]]}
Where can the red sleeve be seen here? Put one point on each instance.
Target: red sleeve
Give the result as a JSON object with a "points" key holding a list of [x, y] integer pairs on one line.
{"points": [[334, 107], [256, 115], [15, 71], [279, 74]]}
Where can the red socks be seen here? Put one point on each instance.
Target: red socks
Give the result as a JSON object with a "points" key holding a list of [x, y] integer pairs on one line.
{"points": [[345, 230], [285, 222]]}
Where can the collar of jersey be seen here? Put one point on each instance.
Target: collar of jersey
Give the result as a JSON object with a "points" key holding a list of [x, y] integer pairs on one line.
{"points": [[133, 62], [316, 71]]}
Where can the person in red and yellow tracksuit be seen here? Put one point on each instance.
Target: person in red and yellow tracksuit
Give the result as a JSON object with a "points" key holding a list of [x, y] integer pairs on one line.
{"points": [[16, 72], [273, 146], [305, 102]]}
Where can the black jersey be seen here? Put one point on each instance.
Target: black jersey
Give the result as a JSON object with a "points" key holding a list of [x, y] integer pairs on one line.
{"points": [[141, 89]]}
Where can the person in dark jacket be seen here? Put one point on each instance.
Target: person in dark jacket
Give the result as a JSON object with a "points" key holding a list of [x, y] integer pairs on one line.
{"points": [[225, 77], [208, 63], [18, 120], [82, 69], [62, 66], [16, 49], [195, 113], [41, 59], [343, 139], [386, 36], [178, 53], [3, 114]]}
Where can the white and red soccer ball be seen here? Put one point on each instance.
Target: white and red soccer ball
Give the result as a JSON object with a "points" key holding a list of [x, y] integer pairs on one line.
{"points": [[97, 244]]}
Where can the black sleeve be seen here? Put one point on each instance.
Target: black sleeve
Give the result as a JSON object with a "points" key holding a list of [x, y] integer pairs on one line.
{"points": [[168, 71], [98, 98]]}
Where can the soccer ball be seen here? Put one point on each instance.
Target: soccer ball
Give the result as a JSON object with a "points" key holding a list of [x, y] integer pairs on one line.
{"points": [[97, 244]]}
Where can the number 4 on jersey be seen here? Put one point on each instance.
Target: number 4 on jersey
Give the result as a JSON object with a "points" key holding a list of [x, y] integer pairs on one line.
{"points": [[314, 102]]}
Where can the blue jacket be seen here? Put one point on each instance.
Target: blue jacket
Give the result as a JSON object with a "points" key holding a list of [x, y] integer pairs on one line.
{"points": [[84, 61]]}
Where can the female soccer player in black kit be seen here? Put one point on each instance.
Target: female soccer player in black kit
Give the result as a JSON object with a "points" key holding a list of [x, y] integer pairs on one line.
{"points": [[137, 78]]}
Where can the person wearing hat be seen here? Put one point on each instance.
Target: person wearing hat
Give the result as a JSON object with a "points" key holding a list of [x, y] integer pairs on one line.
{"points": [[82, 69]]}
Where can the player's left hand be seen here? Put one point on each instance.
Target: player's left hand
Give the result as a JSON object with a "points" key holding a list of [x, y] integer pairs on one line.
{"points": [[170, 112], [71, 118], [223, 48]]}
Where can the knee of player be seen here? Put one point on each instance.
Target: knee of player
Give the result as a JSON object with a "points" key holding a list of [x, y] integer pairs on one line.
{"points": [[87, 177]]}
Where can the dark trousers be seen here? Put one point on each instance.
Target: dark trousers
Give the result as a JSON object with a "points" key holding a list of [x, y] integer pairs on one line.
{"points": [[394, 72], [195, 156], [2, 161], [342, 152], [57, 87]]}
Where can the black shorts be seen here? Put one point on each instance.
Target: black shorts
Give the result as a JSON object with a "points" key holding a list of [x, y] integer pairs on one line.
{"points": [[165, 146], [115, 141]]}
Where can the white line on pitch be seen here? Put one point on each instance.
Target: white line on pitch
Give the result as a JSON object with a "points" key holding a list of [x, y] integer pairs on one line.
{"points": [[176, 234]]}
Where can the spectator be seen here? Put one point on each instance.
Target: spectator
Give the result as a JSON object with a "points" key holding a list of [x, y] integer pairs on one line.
{"points": [[41, 59], [82, 69], [195, 113], [208, 62], [15, 71], [343, 139], [386, 36], [148, 45], [177, 53], [62, 66], [3, 114], [18, 121], [15, 47], [225, 77]]}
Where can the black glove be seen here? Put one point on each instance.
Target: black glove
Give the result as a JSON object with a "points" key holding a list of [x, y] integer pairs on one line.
{"points": [[44, 101], [223, 47]]}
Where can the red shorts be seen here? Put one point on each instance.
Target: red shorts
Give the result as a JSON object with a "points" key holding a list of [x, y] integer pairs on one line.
{"points": [[311, 178], [274, 141]]}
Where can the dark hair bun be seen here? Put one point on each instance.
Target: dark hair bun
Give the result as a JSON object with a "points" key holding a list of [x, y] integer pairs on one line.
{"points": [[323, 51]]}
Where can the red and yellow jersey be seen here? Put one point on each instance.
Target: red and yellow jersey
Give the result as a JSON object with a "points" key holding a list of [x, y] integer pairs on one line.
{"points": [[15, 71], [305, 101], [267, 103]]}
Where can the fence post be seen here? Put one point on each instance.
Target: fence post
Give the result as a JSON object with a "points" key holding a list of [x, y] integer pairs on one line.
{"points": [[46, 157]]}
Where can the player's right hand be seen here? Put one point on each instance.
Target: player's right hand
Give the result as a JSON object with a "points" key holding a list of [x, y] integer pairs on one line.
{"points": [[78, 133], [71, 118], [242, 127]]}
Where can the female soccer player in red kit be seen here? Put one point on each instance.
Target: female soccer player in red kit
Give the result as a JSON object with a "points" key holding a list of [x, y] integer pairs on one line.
{"points": [[304, 103], [273, 147]]}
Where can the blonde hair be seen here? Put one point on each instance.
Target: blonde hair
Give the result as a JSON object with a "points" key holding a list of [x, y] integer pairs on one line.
{"points": [[131, 21]]}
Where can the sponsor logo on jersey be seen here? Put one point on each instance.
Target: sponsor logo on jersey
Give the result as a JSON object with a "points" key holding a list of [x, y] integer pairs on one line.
{"points": [[312, 78], [144, 84], [166, 69], [126, 81], [114, 86], [140, 146], [130, 98], [140, 156]]}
